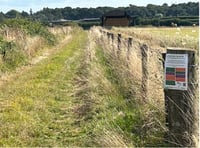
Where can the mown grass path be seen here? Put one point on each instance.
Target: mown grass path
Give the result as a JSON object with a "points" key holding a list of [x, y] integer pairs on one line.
{"points": [[74, 97], [36, 109]]}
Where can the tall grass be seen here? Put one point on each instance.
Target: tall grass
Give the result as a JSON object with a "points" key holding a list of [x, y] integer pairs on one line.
{"points": [[21, 40], [89, 93], [30, 28], [144, 121], [37, 109], [185, 37], [146, 125]]}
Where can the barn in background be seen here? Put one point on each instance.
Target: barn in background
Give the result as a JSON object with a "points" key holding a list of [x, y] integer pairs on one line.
{"points": [[116, 18]]}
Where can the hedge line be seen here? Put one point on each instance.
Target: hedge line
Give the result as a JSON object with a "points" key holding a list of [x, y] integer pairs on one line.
{"points": [[165, 21]]}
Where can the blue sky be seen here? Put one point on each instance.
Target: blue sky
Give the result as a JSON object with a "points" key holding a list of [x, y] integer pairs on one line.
{"points": [[36, 5]]}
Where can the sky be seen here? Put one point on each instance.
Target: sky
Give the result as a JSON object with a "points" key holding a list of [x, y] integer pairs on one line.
{"points": [[36, 5]]}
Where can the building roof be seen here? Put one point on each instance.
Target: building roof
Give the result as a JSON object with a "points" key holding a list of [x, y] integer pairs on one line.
{"points": [[60, 21], [90, 19], [116, 13]]}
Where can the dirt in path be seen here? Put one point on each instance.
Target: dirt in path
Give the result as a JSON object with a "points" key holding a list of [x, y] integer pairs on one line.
{"points": [[9, 76]]}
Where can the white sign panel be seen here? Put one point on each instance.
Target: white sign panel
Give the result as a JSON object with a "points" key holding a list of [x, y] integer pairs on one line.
{"points": [[176, 71]]}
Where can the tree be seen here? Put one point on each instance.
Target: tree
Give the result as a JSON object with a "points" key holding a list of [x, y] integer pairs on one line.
{"points": [[24, 14], [13, 14], [150, 11], [2, 17], [31, 12], [41, 17]]}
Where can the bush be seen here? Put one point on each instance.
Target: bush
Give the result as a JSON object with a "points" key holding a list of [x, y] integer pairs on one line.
{"points": [[12, 57], [11, 53], [3, 45], [31, 28]]}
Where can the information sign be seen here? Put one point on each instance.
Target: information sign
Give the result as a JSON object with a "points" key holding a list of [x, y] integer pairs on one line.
{"points": [[176, 71]]}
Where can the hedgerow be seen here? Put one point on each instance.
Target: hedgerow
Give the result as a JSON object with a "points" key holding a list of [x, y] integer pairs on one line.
{"points": [[31, 28], [12, 53]]}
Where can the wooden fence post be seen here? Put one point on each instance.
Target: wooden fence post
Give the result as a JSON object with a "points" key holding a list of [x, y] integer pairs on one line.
{"points": [[181, 101], [118, 43], [112, 42], [112, 37], [129, 47], [108, 35], [145, 73]]}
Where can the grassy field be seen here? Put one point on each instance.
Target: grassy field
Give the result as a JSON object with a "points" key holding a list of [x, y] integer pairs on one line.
{"points": [[84, 94], [186, 37]]}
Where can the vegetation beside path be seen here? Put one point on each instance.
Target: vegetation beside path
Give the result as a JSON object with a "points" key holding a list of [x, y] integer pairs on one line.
{"points": [[63, 100], [72, 98], [35, 107]]}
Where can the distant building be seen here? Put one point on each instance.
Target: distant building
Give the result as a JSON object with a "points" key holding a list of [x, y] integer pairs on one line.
{"points": [[60, 22], [116, 18], [90, 19]]}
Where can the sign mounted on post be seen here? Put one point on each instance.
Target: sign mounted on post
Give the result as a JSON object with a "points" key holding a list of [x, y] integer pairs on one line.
{"points": [[176, 71]]}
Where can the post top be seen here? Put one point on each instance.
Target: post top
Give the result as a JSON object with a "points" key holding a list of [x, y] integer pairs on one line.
{"points": [[180, 49]]}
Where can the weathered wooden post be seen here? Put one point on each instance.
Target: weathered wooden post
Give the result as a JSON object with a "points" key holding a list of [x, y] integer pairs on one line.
{"points": [[112, 37], [109, 38], [130, 40], [104, 33], [145, 73], [118, 43], [108, 35], [181, 98], [112, 43], [101, 35], [104, 36]]}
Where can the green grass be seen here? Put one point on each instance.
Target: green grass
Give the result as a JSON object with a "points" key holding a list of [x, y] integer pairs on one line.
{"points": [[127, 114], [36, 107], [62, 101], [75, 98], [104, 104]]}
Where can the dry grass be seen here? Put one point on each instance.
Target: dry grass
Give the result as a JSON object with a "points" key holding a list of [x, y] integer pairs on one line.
{"points": [[127, 70], [64, 100], [110, 138], [32, 45], [87, 94], [185, 37], [93, 90], [129, 65], [61, 32]]}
